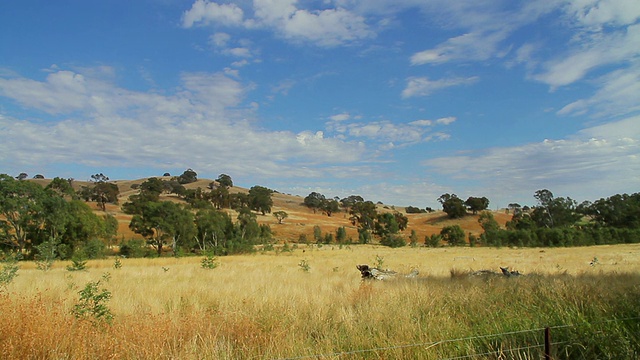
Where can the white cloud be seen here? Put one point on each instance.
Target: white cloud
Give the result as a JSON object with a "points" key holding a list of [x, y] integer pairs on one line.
{"points": [[323, 27], [203, 125], [618, 94], [220, 39], [480, 45], [421, 123], [204, 12], [422, 86], [597, 13], [446, 120], [610, 48], [340, 117]]}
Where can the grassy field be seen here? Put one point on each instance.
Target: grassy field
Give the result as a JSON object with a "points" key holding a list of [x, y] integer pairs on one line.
{"points": [[268, 306]]}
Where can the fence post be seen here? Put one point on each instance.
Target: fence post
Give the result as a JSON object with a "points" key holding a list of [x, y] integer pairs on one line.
{"points": [[547, 343]]}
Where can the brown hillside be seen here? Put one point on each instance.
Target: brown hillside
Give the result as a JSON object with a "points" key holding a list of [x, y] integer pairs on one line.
{"points": [[300, 220]]}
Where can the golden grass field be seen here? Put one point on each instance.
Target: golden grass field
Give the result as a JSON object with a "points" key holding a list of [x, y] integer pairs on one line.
{"points": [[265, 306]]}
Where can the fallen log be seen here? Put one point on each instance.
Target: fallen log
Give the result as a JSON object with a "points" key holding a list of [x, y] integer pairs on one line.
{"points": [[368, 272]]}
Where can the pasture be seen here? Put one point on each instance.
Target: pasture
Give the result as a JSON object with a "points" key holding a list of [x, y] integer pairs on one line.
{"points": [[311, 303]]}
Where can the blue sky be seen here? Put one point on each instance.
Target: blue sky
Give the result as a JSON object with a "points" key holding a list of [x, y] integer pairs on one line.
{"points": [[398, 101]]}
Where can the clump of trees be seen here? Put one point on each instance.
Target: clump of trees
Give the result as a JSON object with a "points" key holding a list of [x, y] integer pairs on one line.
{"points": [[52, 218], [560, 221], [200, 224]]}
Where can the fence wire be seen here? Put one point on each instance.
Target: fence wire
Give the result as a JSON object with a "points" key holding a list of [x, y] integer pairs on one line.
{"points": [[431, 344]]}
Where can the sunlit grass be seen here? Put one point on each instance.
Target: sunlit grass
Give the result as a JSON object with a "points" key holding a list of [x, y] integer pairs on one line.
{"points": [[266, 306]]}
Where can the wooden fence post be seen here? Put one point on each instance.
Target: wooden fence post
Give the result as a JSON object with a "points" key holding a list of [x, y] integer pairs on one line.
{"points": [[547, 343]]}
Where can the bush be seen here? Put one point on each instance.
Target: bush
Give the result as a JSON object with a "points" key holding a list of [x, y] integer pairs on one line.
{"points": [[414, 210], [95, 249], [393, 241], [135, 248], [433, 240], [453, 235], [92, 304]]}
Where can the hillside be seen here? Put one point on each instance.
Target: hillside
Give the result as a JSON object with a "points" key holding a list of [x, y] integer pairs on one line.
{"points": [[301, 220]]}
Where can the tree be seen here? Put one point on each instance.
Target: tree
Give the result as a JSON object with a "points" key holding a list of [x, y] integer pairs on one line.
{"points": [[476, 204], [280, 215], [187, 177], [363, 214], [348, 202], [225, 180], [554, 212], [620, 211], [160, 222], [453, 235], [62, 187], [21, 210], [314, 201], [220, 197], [329, 206], [452, 205], [214, 231], [341, 235], [152, 185], [260, 199], [101, 191]]}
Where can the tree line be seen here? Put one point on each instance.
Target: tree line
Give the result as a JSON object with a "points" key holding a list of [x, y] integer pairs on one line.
{"points": [[554, 221]]}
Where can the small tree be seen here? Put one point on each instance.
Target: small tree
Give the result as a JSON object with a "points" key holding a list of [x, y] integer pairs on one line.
{"points": [[413, 239], [225, 180], [188, 176], [46, 254], [453, 235], [433, 240], [280, 216]]}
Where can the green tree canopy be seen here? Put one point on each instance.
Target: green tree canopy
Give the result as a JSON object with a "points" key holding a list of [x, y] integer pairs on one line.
{"points": [[453, 235], [260, 199], [452, 205], [225, 180], [161, 222], [476, 204]]}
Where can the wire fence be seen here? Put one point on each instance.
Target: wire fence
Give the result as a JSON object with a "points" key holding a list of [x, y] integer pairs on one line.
{"points": [[538, 344]]}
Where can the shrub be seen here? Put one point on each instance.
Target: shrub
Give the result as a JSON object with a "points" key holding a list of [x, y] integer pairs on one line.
{"points": [[135, 248], [393, 241], [433, 240], [9, 270], [209, 262], [92, 303], [95, 249], [454, 235]]}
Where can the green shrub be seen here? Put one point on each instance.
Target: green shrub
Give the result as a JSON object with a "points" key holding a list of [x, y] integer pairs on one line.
{"points": [[92, 304]]}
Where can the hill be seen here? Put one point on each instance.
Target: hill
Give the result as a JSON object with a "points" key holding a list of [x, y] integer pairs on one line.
{"points": [[300, 220]]}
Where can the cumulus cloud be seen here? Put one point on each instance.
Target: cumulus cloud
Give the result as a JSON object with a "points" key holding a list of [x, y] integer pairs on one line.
{"points": [[204, 12], [323, 27], [202, 124], [423, 86], [386, 134]]}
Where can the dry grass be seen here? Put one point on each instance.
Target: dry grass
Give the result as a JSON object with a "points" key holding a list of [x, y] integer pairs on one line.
{"points": [[266, 306]]}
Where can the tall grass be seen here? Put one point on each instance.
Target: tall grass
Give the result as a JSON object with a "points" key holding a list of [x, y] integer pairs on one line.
{"points": [[266, 307]]}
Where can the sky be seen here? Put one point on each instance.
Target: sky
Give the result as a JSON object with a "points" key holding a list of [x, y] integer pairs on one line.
{"points": [[398, 101]]}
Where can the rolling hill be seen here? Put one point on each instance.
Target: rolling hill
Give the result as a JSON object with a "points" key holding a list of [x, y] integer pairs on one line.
{"points": [[300, 220]]}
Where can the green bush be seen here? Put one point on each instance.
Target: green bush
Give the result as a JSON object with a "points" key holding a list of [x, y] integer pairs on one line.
{"points": [[393, 241], [94, 249], [136, 248]]}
